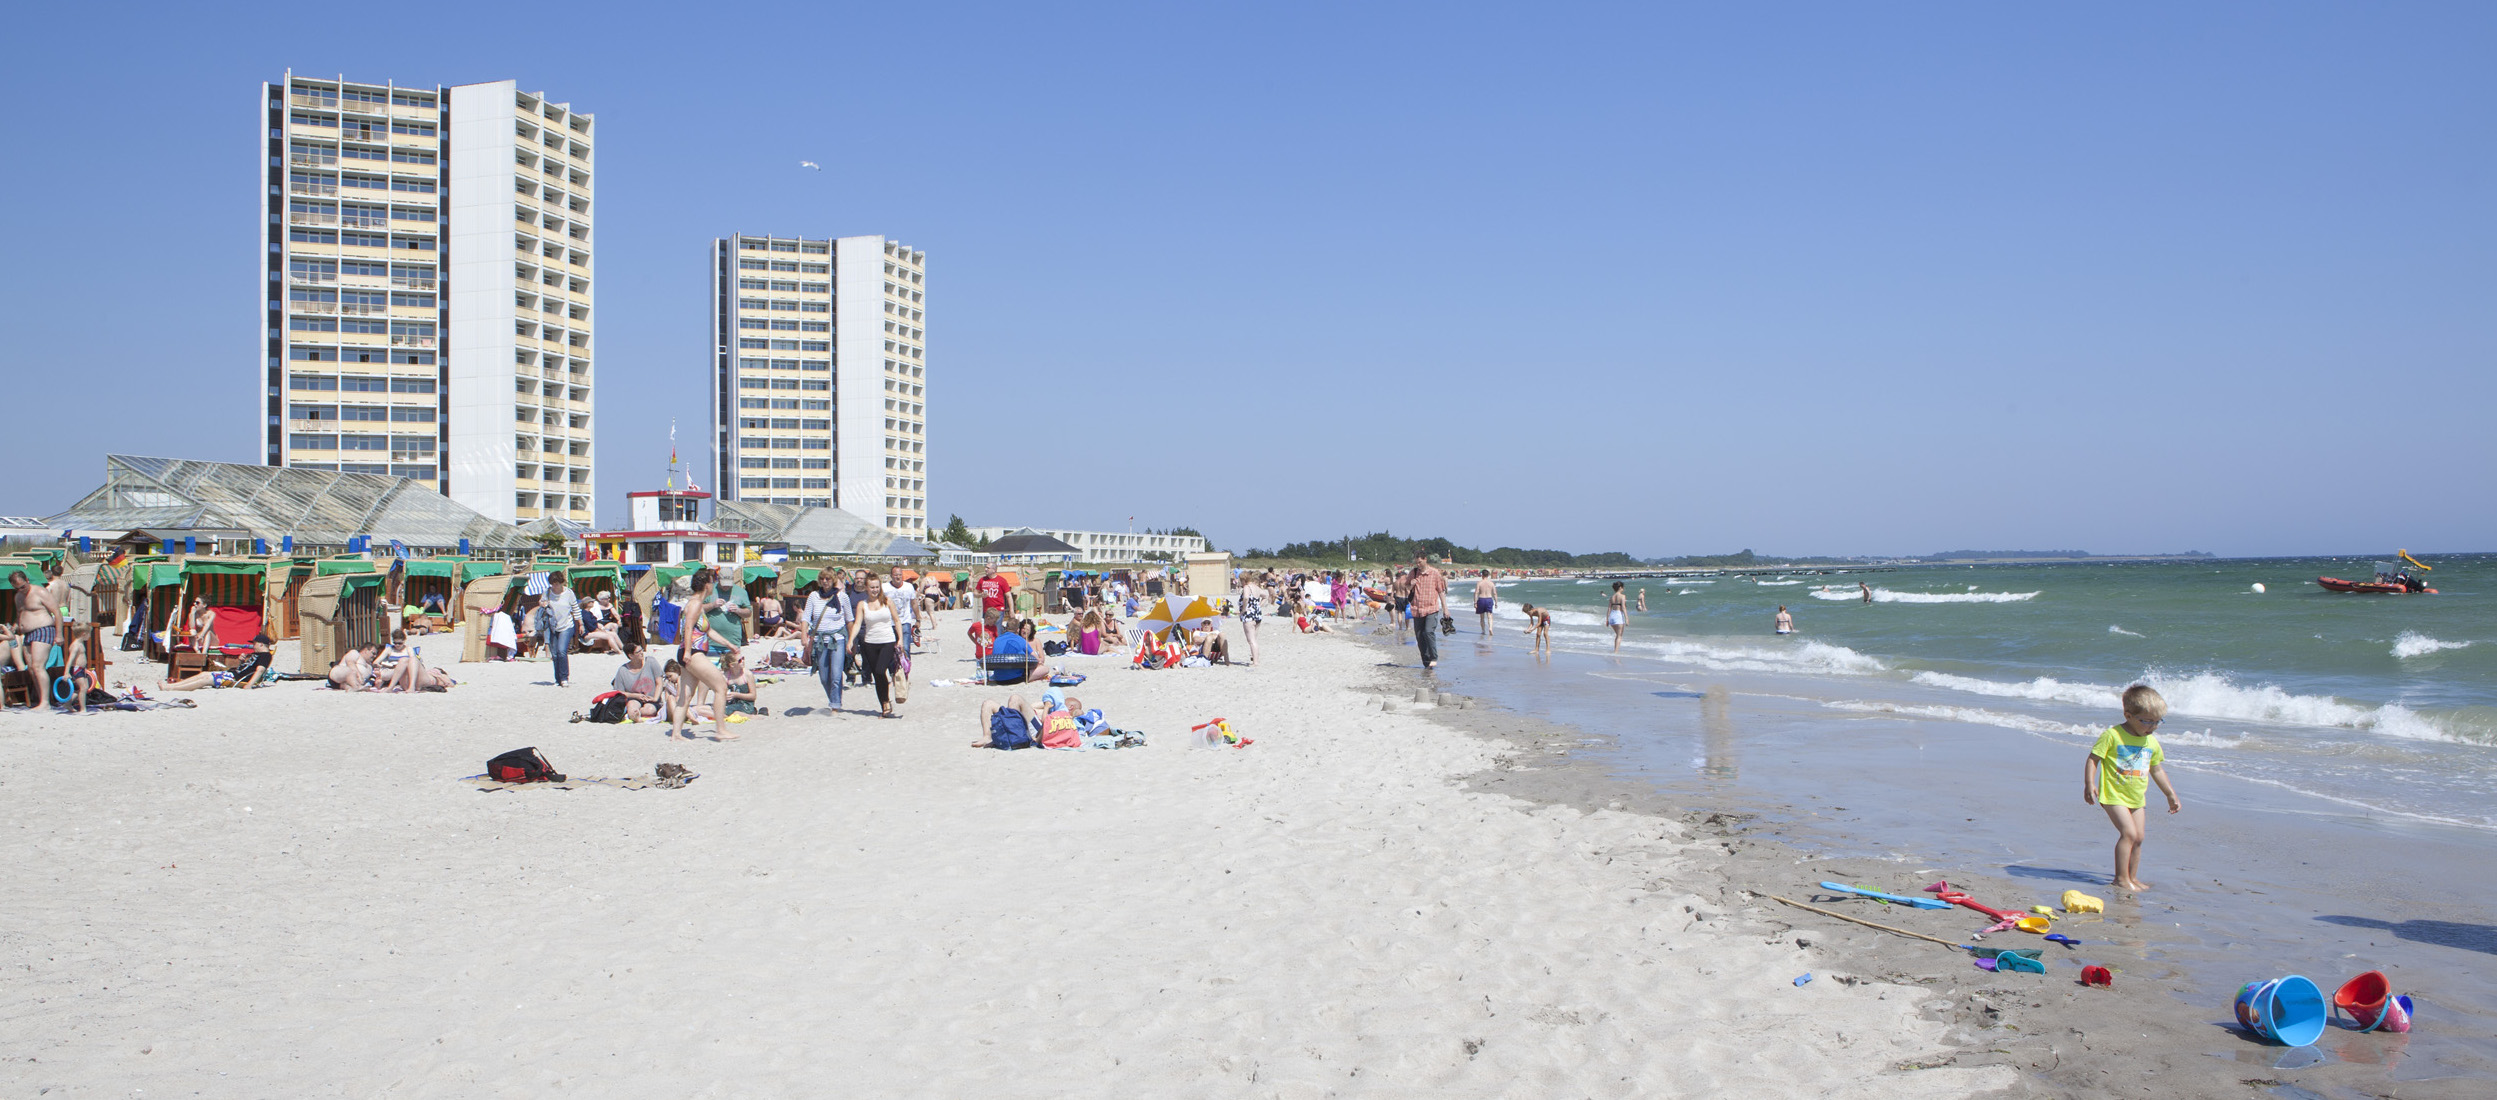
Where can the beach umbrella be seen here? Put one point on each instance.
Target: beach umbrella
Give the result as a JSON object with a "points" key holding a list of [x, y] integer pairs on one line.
{"points": [[1184, 612]]}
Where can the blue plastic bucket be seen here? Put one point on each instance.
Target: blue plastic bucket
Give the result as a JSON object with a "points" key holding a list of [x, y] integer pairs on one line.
{"points": [[2290, 1011]]}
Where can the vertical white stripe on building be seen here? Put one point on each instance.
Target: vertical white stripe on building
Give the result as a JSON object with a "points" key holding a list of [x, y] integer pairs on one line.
{"points": [[482, 454]]}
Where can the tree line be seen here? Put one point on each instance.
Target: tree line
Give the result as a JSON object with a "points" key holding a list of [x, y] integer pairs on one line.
{"points": [[1382, 546]]}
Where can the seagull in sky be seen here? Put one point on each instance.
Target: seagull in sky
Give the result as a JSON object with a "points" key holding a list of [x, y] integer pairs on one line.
{"points": [[810, 164]]}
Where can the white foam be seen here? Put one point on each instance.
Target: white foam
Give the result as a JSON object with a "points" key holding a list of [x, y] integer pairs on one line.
{"points": [[1774, 584], [1972, 715], [1884, 595], [1732, 656], [2213, 695], [2113, 629], [2411, 643]]}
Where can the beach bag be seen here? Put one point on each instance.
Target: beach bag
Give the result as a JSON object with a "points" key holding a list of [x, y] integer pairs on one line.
{"points": [[608, 707], [1053, 649], [1009, 730], [522, 766], [901, 686]]}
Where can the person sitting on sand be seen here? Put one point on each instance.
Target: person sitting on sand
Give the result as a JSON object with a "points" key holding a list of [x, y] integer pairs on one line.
{"points": [[1207, 641], [1113, 633], [398, 650], [1012, 660], [598, 625], [1085, 633], [74, 665], [672, 694], [740, 693], [638, 681], [354, 670], [983, 635], [1012, 724]]}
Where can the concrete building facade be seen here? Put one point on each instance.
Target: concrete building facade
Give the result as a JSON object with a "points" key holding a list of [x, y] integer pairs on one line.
{"points": [[1106, 545], [429, 290], [819, 375]]}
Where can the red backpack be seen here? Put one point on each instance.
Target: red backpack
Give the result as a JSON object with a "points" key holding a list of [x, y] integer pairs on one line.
{"points": [[522, 766]]}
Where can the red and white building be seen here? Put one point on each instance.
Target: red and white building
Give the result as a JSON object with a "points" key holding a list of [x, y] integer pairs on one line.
{"points": [[667, 529]]}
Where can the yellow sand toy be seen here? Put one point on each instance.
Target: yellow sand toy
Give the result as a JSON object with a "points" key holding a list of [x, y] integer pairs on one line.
{"points": [[2075, 901]]}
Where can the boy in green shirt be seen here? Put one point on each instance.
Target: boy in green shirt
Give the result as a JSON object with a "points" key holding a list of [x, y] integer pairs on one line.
{"points": [[2118, 773]]}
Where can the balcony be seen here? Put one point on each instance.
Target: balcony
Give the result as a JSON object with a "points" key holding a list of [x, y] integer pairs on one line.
{"points": [[311, 219], [406, 282], [312, 277], [324, 189], [312, 160], [311, 307], [412, 341], [362, 221], [325, 103]]}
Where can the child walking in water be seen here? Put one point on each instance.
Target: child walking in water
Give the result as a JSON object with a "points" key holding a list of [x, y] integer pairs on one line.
{"points": [[2118, 773]]}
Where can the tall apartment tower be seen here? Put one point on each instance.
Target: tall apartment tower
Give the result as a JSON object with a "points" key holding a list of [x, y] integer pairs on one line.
{"points": [[429, 290], [819, 385]]}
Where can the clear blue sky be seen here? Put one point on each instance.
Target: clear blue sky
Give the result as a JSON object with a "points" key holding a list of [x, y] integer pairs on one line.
{"points": [[1668, 279]]}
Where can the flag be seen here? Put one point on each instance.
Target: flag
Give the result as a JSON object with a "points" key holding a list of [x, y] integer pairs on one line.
{"points": [[121, 555], [398, 549]]}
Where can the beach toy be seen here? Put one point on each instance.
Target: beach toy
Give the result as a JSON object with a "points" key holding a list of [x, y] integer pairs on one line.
{"points": [[1218, 734], [2047, 910], [1887, 899], [1950, 896], [2065, 940], [2097, 975], [2075, 901], [2025, 962], [2370, 1003], [2033, 924], [1807, 977], [2289, 1011], [1987, 964]]}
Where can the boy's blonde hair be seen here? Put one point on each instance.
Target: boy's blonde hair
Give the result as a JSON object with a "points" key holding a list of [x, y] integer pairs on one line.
{"points": [[2144, 700]]}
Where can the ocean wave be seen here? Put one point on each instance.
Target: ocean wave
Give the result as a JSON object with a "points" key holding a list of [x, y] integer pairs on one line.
{"points": [[2113, 629], [1884, 595], [2214, 695], [1978, 716], [1729, 656], [1560, 617], [1774, 584], [2411, 643]]}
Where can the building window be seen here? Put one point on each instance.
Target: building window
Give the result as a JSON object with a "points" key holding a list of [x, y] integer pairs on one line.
{"points": [[818, 483], [754, 463], [818, 444], [653, 553], [754, 483], [312, 442], [815, 326]]}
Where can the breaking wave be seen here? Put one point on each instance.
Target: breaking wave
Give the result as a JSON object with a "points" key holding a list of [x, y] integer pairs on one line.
{"points": [[2411, 643], [2113, 629], [2214, 695], [1884, 595]]}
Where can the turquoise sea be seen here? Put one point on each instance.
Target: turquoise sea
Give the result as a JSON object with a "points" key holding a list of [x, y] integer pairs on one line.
{"points": [[2383, 704]]}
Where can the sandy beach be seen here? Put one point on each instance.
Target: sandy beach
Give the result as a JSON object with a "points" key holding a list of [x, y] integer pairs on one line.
{"points": [[290, 892]]}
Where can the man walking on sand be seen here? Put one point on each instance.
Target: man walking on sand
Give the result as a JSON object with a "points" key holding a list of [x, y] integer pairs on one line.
{"points": [[1430, 600], [1486, 597]]}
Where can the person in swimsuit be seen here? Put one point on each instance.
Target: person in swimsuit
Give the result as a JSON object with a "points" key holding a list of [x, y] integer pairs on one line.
{"points": [[1642, 601], [1486, 597], [1088, 638], [1616, 615], [1868, 591], [354, 671], [254, 671], [1538, 631], [700, 676], [1253, 612], [743, 697], [1785, 621], [37, 632]]}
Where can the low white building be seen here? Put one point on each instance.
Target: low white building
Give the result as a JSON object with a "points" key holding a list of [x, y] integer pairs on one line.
{"points": [[1091, 546]]}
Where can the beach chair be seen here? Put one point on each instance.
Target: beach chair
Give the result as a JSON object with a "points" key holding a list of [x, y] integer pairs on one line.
{"points": [[1022, 666]]}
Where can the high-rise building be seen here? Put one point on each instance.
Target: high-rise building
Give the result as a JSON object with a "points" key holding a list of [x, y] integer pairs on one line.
{"points": [[429, 290], [819, 391]]}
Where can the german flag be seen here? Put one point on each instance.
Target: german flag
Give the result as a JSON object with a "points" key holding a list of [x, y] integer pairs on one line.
{"points": [[121, 556]]}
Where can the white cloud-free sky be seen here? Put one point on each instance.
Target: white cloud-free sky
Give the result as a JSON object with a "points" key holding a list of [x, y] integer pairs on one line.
{"points": [[1659, 278]]}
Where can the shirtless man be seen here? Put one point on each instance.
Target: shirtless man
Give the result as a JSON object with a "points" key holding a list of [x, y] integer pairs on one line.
{"points": [[1868, 591], [1403, 588], [37, 631], [1486, 597], [354, 671], [1617, 614]]}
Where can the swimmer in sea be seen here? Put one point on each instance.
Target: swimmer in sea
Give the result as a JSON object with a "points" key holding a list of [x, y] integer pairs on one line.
{"points": [[1785, 622], [1868, 591], [1616, 614], [1642, 601]]}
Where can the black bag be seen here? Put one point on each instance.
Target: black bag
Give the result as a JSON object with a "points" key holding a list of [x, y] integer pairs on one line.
{"points": [[522, 766], [609, 708], [1054, 649]]}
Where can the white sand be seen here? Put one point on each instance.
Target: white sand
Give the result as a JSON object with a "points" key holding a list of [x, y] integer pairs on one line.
{"points": [[288, 893]]}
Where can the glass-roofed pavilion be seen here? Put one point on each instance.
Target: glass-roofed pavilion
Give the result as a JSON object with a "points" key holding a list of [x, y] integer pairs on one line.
{"points": [[230, 504]]}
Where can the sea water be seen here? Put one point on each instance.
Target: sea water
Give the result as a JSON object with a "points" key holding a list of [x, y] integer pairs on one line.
{"points": [[2337, 753], [2384, 704]]}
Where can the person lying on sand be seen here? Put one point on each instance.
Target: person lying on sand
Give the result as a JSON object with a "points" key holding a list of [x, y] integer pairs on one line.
{"points": [[254, 671], [1012, 724]]}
